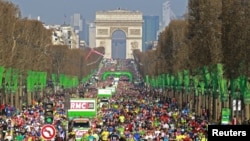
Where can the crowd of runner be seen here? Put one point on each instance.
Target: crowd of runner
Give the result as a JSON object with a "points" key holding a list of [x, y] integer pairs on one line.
{"points": [[25, 124], [133, 114]]}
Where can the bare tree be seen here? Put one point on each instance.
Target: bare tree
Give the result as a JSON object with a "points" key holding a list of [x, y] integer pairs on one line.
{"points": [[58, 53], [8, 16], [234, 37]]}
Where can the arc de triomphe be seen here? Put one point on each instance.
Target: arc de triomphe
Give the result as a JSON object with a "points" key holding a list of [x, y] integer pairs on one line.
{"points": [[108, 22]]}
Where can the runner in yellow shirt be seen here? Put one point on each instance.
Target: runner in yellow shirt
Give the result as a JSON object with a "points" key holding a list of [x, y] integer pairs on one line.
{"points": [[104, 135], [121, 118]]}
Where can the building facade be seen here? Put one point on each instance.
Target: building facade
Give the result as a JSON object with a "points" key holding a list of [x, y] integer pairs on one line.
{"points": [[64, 35]]}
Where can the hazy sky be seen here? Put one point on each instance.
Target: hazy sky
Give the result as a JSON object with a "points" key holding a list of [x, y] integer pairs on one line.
{"points": [[54, 11]]}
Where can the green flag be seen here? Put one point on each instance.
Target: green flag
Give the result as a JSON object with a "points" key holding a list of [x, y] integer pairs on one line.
{"points": [[172, 81], [202, 87], [65, 81], [186, 79], [8, 74], [43, 79], [196, 83], [223, 90], [168, 82], [207, 76], [75, 81], [30, 81], [84, 79], [246, 96], [15, 80], [154, 82], [179, 80], [158, 81], [8, 80], [54, 79], [1, 75], [214, 82], [163, 80], [233, 86], [62, 79], [220, 71], [243, 84], [36, 78]]}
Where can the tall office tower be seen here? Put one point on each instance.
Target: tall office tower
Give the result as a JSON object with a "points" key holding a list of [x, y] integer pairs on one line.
{"points": [[150, 28], [167, 15], [92, 35], [85, 33], [77, 22]]}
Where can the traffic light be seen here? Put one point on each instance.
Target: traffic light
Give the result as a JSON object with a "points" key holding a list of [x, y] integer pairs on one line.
{"points": [[48, 114]]}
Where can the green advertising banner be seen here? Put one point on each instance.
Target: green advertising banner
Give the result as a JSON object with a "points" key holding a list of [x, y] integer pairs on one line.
{"points": [[225, 116]]}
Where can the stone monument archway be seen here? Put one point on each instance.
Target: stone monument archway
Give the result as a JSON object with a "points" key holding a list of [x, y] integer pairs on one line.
{"points": [[110, 23]]}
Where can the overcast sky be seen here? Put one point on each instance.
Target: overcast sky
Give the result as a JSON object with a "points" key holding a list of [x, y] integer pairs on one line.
{"points": [[54, 11]]}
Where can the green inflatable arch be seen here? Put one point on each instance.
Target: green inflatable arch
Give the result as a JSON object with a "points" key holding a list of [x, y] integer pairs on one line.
{"points": [[117, 74]]}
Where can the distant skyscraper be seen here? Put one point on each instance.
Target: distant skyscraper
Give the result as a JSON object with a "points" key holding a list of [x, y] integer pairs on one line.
{"points": [[76, 21], [85, 33], [167, 14], [149, 30], [80, 24]]}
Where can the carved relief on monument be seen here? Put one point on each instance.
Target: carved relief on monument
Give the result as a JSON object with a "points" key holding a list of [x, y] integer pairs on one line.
{"points": [[135, 32], [113, 29], [102, 32], [102, 43], [134, 45]]}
